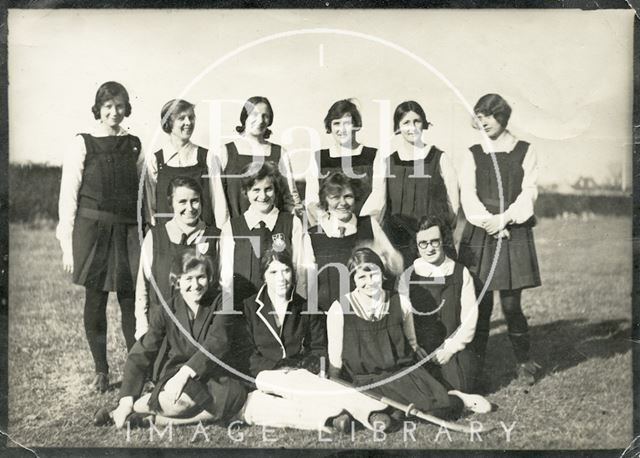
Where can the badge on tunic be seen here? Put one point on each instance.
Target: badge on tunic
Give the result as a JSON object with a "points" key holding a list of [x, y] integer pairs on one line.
{"points": [[278, 242], [202, 247]]}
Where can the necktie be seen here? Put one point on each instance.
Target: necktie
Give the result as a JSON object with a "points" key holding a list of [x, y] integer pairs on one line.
{"points": [[183, 239], [264, 236], [342, 230]]}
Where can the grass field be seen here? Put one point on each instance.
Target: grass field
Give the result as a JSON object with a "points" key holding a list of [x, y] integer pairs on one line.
{"points": [[580, 325]]}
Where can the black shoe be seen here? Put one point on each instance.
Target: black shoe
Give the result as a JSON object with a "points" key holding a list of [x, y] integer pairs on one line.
{"points": [[527, 372], [102, 417], [139, 420], [100, 382], [378, 418], [342, 423]]}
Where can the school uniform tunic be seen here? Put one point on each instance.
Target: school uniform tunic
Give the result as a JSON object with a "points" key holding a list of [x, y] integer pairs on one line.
{"points": [[374, 346], [446, 314], [421, 182], [333, 241], [159, 248], [98, 218], [192, 161], [517, 264], [275, 336], [364, 163], [230, 162], [240, 252], [211, 388]]}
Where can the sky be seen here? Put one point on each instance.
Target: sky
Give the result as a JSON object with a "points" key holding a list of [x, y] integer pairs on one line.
{"points": [[566, 73]]}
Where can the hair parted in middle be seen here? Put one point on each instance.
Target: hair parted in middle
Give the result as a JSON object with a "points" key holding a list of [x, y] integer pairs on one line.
{"points": [[248, 107], [108, 91], [271, 255], [341, 108], [337, 182], [368, 259], [403, 109], [171, 110]]}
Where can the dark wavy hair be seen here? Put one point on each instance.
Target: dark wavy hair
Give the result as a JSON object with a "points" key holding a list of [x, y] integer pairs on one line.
{"points": [[494, 105], [341, 108], [403, 109], [250, 174], [183, 182], [335, 183], [248, 107], [281, 256], [427, 222], [108, 91], [170, 110]]}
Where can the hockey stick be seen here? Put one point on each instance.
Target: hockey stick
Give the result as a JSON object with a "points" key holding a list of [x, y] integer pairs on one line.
{"points": [[410, 410]]}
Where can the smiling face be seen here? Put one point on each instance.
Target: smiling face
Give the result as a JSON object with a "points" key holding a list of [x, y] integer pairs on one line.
{"points": [[262, 195], [490, 125], [279, 279], [429, 243], [183, 124], [411, 126], [186, 205], [368, 280], [193, 284], [112, 111], [341, 205], [343, 131], [258, 120]]}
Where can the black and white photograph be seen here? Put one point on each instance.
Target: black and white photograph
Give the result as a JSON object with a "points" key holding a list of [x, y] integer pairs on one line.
{"points": [[331, 229]]}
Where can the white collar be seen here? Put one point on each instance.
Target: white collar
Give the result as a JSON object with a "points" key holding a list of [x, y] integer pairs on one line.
{"points": [[169, 150], [426, 269], [408, 152], [253, 218], [99, 130], [331, 226], [175, 229], [340, 151]]}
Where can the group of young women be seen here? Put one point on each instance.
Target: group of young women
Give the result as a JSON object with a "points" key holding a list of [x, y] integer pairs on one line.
{"points": [[245, 301]]}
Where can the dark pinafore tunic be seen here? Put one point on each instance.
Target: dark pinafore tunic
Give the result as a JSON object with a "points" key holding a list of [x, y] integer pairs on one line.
{"points": [[237, 202], [373, 351], [106, 245], [361, 167], [517, 264], [199, 172], [414, 189], [335, 250], [437, 316], [246, 257]]}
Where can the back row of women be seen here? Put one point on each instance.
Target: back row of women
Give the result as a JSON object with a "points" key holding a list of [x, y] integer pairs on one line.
{"points": [[381, 223]]}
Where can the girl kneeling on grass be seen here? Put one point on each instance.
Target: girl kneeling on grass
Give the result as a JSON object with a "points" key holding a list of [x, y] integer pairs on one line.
{"points": [[191, 387], [372, 341]]}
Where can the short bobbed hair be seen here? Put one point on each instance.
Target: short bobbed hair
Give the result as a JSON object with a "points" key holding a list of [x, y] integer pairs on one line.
{"points": [[341, 108], [171, 110], [182, 182], [109, 91], [336, 183], [427, 222], [407, 107], [494, 105], [367, 259], [188, 259], [248, 107], [251, 174]]}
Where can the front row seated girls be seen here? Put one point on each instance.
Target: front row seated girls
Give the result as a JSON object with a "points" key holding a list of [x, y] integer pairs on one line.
{"points": [[445, 312], [191, 387], [372, 342], [339, 231], [262, 226]]}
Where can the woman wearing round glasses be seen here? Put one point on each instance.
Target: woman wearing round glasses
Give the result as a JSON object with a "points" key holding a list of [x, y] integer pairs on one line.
{"points": [[444, 306]]}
